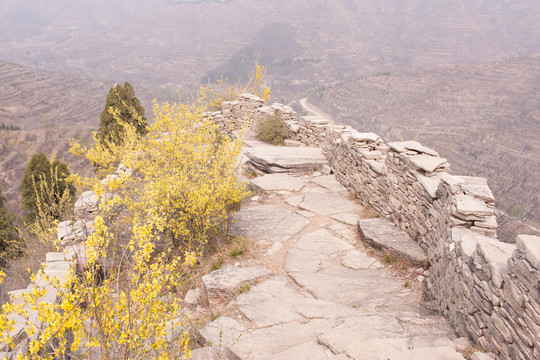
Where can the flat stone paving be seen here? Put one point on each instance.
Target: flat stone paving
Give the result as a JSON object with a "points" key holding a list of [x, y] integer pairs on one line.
{"points": [[329, 298]]}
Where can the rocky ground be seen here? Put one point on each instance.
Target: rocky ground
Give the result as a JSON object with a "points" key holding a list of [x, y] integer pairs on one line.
{"points": [[317, 291]]}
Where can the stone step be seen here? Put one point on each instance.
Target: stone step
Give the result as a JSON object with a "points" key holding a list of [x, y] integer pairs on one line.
{"points": [[272, 159], [381, 233]]}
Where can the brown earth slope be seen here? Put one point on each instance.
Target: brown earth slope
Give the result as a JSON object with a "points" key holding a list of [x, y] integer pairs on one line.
{"points": [[49, 108]]}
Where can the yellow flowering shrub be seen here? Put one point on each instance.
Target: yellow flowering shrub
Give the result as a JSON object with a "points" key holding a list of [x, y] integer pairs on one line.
{"points": [[151, 227], [214, 96]]}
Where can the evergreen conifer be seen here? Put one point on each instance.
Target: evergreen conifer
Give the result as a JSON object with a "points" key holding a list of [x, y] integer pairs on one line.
{"points": [[121, 98]]}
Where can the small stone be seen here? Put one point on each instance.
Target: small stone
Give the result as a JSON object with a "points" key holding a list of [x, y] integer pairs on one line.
{"points": [[274, 248], [530, 246], [192, 297], [482, 356], [255, 198], [461, 344], [377, 166], [420, 278]]}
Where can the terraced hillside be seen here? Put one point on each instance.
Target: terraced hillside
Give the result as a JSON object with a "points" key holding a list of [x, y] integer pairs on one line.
{"points": [[485, 118], [174, 47], [37, 99], [48, 108]]}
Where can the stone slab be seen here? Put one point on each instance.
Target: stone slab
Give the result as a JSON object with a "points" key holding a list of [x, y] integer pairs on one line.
{"points": [[299, 260], [430, 183], [347, 218], [365, 137], [383, 234], [279, 181], [56, 256], [357, 260], [482, 356], [266, 342], [223, 332], [267, 222], [324, 203], [362, 289], [306, 351], [404, 146], [192, 296], [427, 163], [229, 277], [323, 242], [206, 353], [377, 166], [276, 301], [330, 182], [270, 303], [274, 159], [468, 205], [530, 246]]}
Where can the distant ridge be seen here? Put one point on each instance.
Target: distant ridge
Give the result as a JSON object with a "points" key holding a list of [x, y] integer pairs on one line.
{"points": [[202, 1]]}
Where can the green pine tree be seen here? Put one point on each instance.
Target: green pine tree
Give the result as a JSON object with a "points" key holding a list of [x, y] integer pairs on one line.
{"points": [[123, 100], [45, 183], [9, 234]]}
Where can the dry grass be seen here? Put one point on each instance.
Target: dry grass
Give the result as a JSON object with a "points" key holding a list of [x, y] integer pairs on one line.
{"points": [[18, 270], [220, 253]]}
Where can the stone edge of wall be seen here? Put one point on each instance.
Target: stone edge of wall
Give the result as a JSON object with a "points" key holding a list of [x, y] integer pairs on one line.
{"points": [[71, 235]]}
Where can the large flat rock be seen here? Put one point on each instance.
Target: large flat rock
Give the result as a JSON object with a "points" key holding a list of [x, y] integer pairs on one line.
{"points": [[275, 159], [377, 337], [229, 277], [267, 222], [324, 203], [330, 182], [363, 289], [266, 343], [470, 208], [276, 301], [383, 234], [279, 181], [306, 351], [223, 332]]}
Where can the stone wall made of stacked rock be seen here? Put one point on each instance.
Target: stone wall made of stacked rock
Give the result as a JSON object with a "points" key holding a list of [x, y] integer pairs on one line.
{"points": [[489, 290], [71, 236]]}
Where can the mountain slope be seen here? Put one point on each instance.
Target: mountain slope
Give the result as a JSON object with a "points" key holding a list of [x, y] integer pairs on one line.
{"points": [[484, 118], [184, 42], [49, 108]]}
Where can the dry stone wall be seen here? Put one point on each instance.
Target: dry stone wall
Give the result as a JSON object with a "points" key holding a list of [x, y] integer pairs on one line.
{"points": [[489, 290], [71, 236]]}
